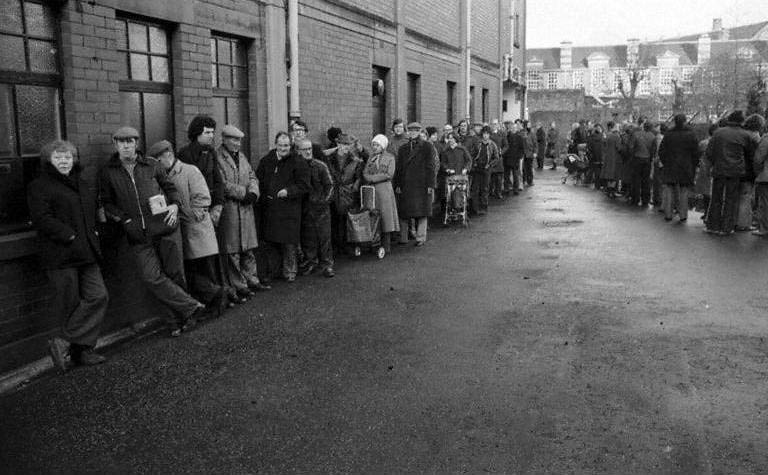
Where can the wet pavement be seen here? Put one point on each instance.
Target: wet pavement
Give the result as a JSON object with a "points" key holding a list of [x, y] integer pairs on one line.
{"points": [[563, 332]]}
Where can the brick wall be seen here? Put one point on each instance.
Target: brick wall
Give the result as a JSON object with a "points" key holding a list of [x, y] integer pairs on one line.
{"points": [[443, 19], [485, 29]]}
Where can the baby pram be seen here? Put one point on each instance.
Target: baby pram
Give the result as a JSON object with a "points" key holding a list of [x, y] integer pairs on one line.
{"points": [[576, 165], [456, 189], [364, 224]]}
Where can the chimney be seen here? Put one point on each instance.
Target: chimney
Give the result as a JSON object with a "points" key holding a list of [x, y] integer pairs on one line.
{"points": [[717, 24], [704, 49], [633, 51], [565, 55]]}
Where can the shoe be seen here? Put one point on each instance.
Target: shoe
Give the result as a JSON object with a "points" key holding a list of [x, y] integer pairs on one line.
{"points": [[234, 298], [402, 243], [176, 332], [191, 320], [245, 294], [515, 193], [726, 233], [744, 228], [667, 219], [711, 231], [308, 270], [683, 220], [421, 243], [328, 272], [482, 212], [290, 279], [89, 357], [259, 286], [59, 350]]}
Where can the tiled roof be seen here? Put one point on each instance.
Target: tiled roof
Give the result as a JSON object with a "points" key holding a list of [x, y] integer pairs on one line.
{"points": [[743, 32]]}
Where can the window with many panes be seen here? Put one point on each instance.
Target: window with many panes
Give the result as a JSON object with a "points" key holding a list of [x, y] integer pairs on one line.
{"points": [[552, 80], [30, 104], [534, 79], [578, 79], [146, 101], [229, 77]]}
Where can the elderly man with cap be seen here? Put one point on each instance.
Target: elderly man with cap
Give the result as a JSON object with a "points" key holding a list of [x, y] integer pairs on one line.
{"points": [[284, 179], [347, 172], [316, 214], [136, 193], [414, 184], [200, 247], [237, 227]]}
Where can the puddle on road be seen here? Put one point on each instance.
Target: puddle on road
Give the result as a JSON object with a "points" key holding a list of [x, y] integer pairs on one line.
{"points": [[562, 224], [556, 210], [553, 243]]}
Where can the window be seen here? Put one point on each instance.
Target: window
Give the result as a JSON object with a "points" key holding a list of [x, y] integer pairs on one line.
{"points": [[552, 80], [145, 79], [644, 86], [484, 105], [471, 111], [599, 79], [229, 75], [666, 75], [504, 105], [414, 98], [578, 79], [618, 78], [30, 104], [534, 79], [450, 102], [516, 31]]}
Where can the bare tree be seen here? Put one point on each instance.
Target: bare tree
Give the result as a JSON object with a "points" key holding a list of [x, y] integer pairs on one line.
{"points": [[634, 75]]}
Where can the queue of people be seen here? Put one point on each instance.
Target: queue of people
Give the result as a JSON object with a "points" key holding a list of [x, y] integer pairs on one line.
{"points": [[208, 227], [668, 167]]}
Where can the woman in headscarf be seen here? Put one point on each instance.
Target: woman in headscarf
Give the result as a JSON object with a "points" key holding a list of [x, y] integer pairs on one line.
{"points": [[379, 172]]}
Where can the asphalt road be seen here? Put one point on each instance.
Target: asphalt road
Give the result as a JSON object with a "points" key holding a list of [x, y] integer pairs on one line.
{"points": [[564, 332]]}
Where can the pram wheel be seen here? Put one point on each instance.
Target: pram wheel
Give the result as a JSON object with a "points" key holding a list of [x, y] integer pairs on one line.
{"points": [[357, 251], [381, 253]]}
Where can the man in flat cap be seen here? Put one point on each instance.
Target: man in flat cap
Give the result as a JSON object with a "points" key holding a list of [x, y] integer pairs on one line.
{"points": [[347, 173], [199, 238], [414, 184], [136, 193], [237, 228]]}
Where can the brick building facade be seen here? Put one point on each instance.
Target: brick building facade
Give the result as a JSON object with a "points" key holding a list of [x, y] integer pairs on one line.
{"points": [[79, 69]]}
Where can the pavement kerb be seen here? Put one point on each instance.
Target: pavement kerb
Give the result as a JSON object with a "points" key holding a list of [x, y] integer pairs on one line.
{"points": [[15, 378]]}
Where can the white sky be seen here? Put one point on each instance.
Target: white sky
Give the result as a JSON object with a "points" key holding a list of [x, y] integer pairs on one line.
{"points": [[601, 22]]}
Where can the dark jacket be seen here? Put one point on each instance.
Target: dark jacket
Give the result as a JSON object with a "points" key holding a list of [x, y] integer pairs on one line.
{"points": [[281, 217], [414, 173], [679, 153], [456, 159], [204, 158], [63, 211], [515, 150], [728, 150], [487, 157], [123, 201], [641, 144], [595, 147]]}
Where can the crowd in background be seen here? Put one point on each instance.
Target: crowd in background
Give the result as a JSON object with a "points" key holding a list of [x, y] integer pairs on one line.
{"points": [[668, 166]]}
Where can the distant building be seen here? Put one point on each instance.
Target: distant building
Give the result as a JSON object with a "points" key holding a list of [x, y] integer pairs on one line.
{"points": [[601, 71], [514, 101]]}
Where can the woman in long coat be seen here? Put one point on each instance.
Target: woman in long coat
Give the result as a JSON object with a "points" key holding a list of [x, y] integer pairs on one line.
{"points": [[237, 226], [347, 172], [679, 155], [379, 172], [612, 161], [414, 183]]}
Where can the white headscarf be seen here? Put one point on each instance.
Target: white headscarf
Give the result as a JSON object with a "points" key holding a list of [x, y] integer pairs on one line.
{"points": [[381, 140]]}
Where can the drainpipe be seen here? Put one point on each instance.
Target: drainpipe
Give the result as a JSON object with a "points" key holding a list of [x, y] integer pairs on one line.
{"points": [[467, 55], [293, 40]]}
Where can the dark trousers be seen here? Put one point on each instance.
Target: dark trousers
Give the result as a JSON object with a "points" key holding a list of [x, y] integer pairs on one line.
{"points": [[594, 174], [160, 264], [479, 190], [512, 176], [338, 231], [204, 277], [282, 259], [79, 302], [528, 170], [497, 184], [657, 187], [316, 238], [641, 180], [761, 196], [724, 205]]}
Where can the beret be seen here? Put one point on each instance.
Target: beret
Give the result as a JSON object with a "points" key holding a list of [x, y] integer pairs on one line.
{"points": [[414, 125]]}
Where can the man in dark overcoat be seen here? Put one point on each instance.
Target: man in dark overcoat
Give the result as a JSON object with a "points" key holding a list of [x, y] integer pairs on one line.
{"points": [[284, 180], [414, 184]]}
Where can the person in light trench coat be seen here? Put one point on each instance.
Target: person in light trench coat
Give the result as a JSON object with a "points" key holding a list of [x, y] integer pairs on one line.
{"points": [[198, 235], [379, 171], [237, 227]]}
